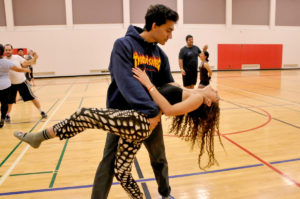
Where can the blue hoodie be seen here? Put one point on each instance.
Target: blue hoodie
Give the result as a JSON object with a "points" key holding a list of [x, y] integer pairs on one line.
{"points": [[125, 92]]}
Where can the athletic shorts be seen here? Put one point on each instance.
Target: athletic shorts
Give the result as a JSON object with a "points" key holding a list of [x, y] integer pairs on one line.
{"points": [[190, 78], [24, 90], [4, 95]]}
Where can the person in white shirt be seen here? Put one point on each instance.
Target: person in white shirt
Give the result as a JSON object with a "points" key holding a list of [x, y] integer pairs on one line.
{"points": [[29, 76], [19, 83], [5, 67]]}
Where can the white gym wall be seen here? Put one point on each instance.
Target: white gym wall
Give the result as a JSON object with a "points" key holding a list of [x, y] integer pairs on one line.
{"points": [[71, 42]]}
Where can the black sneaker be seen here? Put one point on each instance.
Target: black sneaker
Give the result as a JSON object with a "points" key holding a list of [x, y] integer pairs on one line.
{"points": [[43, 114], [1, 123], [7, 118]]}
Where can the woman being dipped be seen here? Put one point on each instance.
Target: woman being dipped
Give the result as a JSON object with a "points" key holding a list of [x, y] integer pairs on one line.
{"points": [[198, 108], [195, 113]]}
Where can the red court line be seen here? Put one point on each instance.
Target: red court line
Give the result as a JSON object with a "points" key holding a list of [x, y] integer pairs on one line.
{"points": [[253, 155], [264, 162], [262, 125]]}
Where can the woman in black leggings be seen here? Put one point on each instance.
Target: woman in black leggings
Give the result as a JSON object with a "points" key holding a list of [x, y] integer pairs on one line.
{"points": [[196, 116]]}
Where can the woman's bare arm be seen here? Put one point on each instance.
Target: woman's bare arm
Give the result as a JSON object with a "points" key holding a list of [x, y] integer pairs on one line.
{"points": [[189, 90], [186, 106]]}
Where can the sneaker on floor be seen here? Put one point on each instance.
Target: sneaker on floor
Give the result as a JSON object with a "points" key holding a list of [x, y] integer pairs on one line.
{"points": [[43, 114], [1, 123], [167, 197], [7, 118]]}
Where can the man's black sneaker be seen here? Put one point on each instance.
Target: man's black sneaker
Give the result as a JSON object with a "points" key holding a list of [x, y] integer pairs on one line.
{"points": [[1, 123], [7, 118]]}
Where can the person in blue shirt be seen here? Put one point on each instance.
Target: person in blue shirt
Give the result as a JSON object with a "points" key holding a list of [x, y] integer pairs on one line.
{"points": [[138, 48], [5, 83]]}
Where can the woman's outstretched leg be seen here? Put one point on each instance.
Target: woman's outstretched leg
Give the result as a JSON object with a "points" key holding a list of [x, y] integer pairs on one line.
{"points": [[35, 139], [127, 124], [123, 164]]}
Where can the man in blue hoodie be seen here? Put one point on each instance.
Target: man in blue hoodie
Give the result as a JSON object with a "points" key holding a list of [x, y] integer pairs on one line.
{"points": [[139, 49]]}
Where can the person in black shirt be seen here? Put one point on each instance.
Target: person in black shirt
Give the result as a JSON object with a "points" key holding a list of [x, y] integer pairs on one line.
{"points": [[188, 62], [205, 71], [205, 47]]}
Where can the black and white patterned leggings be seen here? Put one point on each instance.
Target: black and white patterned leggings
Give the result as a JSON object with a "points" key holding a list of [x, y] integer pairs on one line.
{"points": [[131, 126]]}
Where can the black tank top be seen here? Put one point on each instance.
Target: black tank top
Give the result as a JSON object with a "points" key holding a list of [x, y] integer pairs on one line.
{"points": [[204, 79], [172, 93]]}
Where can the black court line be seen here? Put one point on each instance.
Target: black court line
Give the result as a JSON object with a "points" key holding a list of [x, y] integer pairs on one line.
{"points": [[277, 98], [141, 176], [273, 118], [270, 87], [247, 96], [265, 163]]}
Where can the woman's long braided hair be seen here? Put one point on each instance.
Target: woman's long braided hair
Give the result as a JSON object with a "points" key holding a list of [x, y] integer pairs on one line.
{"points": [[199, 127]]}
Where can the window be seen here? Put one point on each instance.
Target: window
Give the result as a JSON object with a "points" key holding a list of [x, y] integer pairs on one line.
{"points": [[250, 12], [2, 14], [138, 8], [287, 13], [41, 12], [204, 11], [97, 11]]}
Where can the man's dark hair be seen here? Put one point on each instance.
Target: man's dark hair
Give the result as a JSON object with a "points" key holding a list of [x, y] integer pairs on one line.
{"points": [[19, 49], [9, 45], [187, 37], [159, 14], [1, 50]]}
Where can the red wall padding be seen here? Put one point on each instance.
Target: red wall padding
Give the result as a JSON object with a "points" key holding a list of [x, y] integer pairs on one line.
{"points": [[232, 56], [15, 51]]}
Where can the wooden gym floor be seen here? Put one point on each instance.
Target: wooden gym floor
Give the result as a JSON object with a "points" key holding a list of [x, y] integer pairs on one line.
{"points": [[260, 127]]}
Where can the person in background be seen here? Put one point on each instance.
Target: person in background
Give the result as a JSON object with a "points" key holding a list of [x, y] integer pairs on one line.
{"points": [[205, 71], [21, 52], [19, 83], [188, 62], [5, 67], [29, 76], [205, 47]]}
